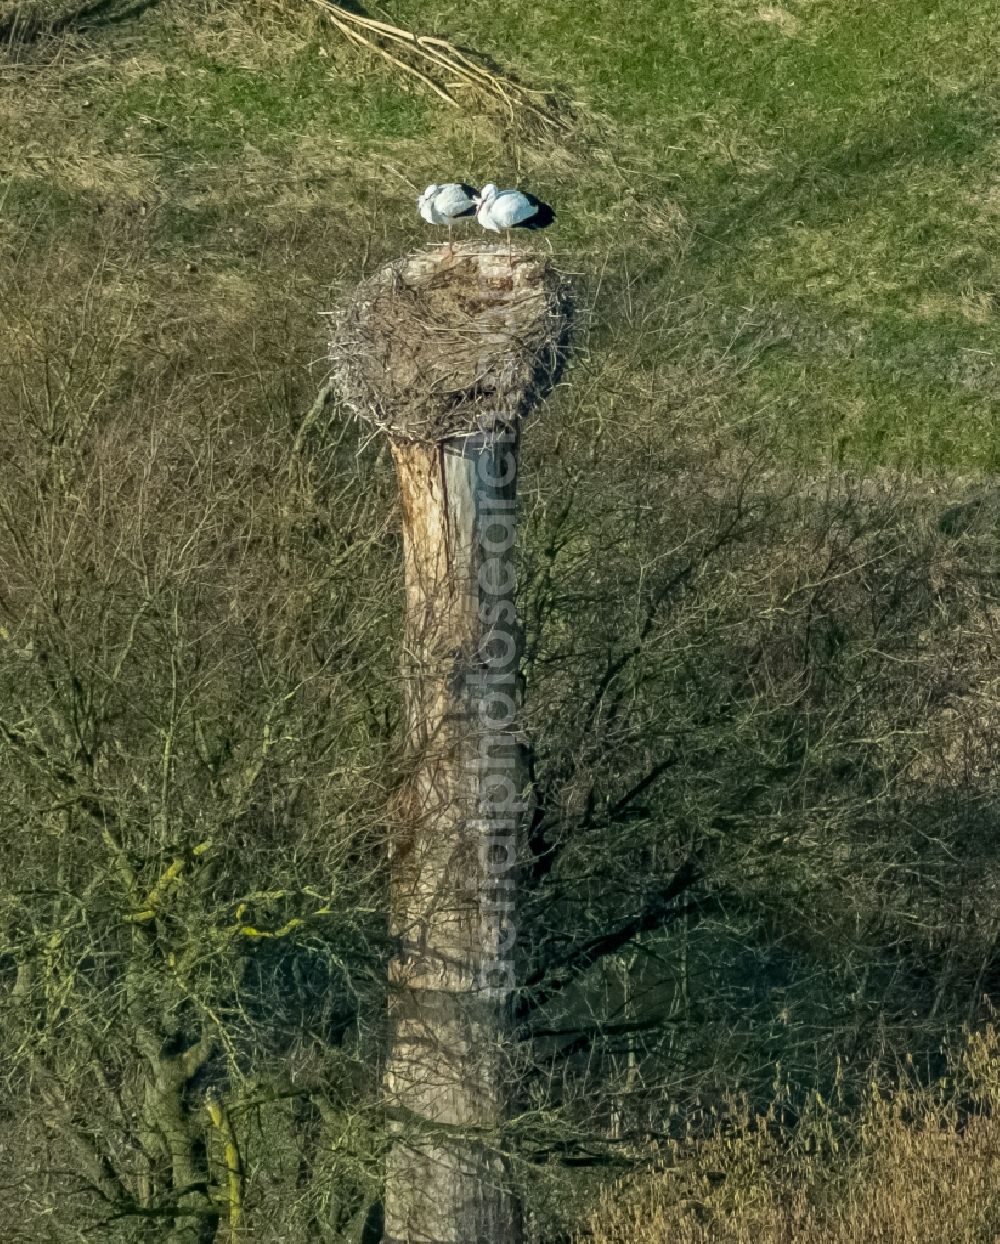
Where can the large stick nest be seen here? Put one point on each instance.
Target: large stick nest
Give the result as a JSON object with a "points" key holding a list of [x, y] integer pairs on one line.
{"points": [[437, 345]]}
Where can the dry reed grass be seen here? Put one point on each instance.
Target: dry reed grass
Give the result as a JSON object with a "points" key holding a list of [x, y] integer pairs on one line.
{"points": [[917, 1165], [441, 67]]}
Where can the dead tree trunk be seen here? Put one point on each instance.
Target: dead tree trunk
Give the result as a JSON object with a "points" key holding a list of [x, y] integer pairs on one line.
{"points": [[446, 355], [452, 900]]}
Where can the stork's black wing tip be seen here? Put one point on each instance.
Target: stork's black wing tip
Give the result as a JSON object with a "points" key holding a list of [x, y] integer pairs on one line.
{"points": [[470, 193], [544, 216]]}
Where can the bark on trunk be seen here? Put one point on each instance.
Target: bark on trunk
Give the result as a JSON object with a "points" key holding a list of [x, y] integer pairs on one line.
{"points": [[452, 865], [170, 1128]]}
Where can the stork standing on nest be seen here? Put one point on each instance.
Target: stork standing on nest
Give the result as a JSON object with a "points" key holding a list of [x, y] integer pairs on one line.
{"points": [[498, 210], [444, 204]]}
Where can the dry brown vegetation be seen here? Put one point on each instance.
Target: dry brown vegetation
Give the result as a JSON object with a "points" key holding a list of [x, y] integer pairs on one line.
{"points": [[914, 1164]]}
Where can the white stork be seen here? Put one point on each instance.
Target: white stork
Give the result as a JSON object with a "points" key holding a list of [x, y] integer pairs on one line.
{"points": [[498, 210], [444, 204]]}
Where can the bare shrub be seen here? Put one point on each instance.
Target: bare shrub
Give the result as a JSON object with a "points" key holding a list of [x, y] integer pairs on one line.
{"points": [[195, 747]]}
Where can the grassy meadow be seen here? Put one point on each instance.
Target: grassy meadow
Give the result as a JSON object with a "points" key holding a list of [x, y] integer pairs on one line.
{"points": [[813, 189]]}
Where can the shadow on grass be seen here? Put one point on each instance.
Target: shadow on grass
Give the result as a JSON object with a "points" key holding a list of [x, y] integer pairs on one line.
{"points": [[28, 24], [839, 178]]}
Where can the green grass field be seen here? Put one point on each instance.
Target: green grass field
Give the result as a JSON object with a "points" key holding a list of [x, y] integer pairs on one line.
{"points": [[813, 190]]}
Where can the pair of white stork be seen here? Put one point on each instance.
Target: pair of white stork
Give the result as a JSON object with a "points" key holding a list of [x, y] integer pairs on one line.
{"points": [[496, 210]]}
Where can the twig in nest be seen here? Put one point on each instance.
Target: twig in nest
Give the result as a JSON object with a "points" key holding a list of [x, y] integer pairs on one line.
{"points": [[428, 58]]}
